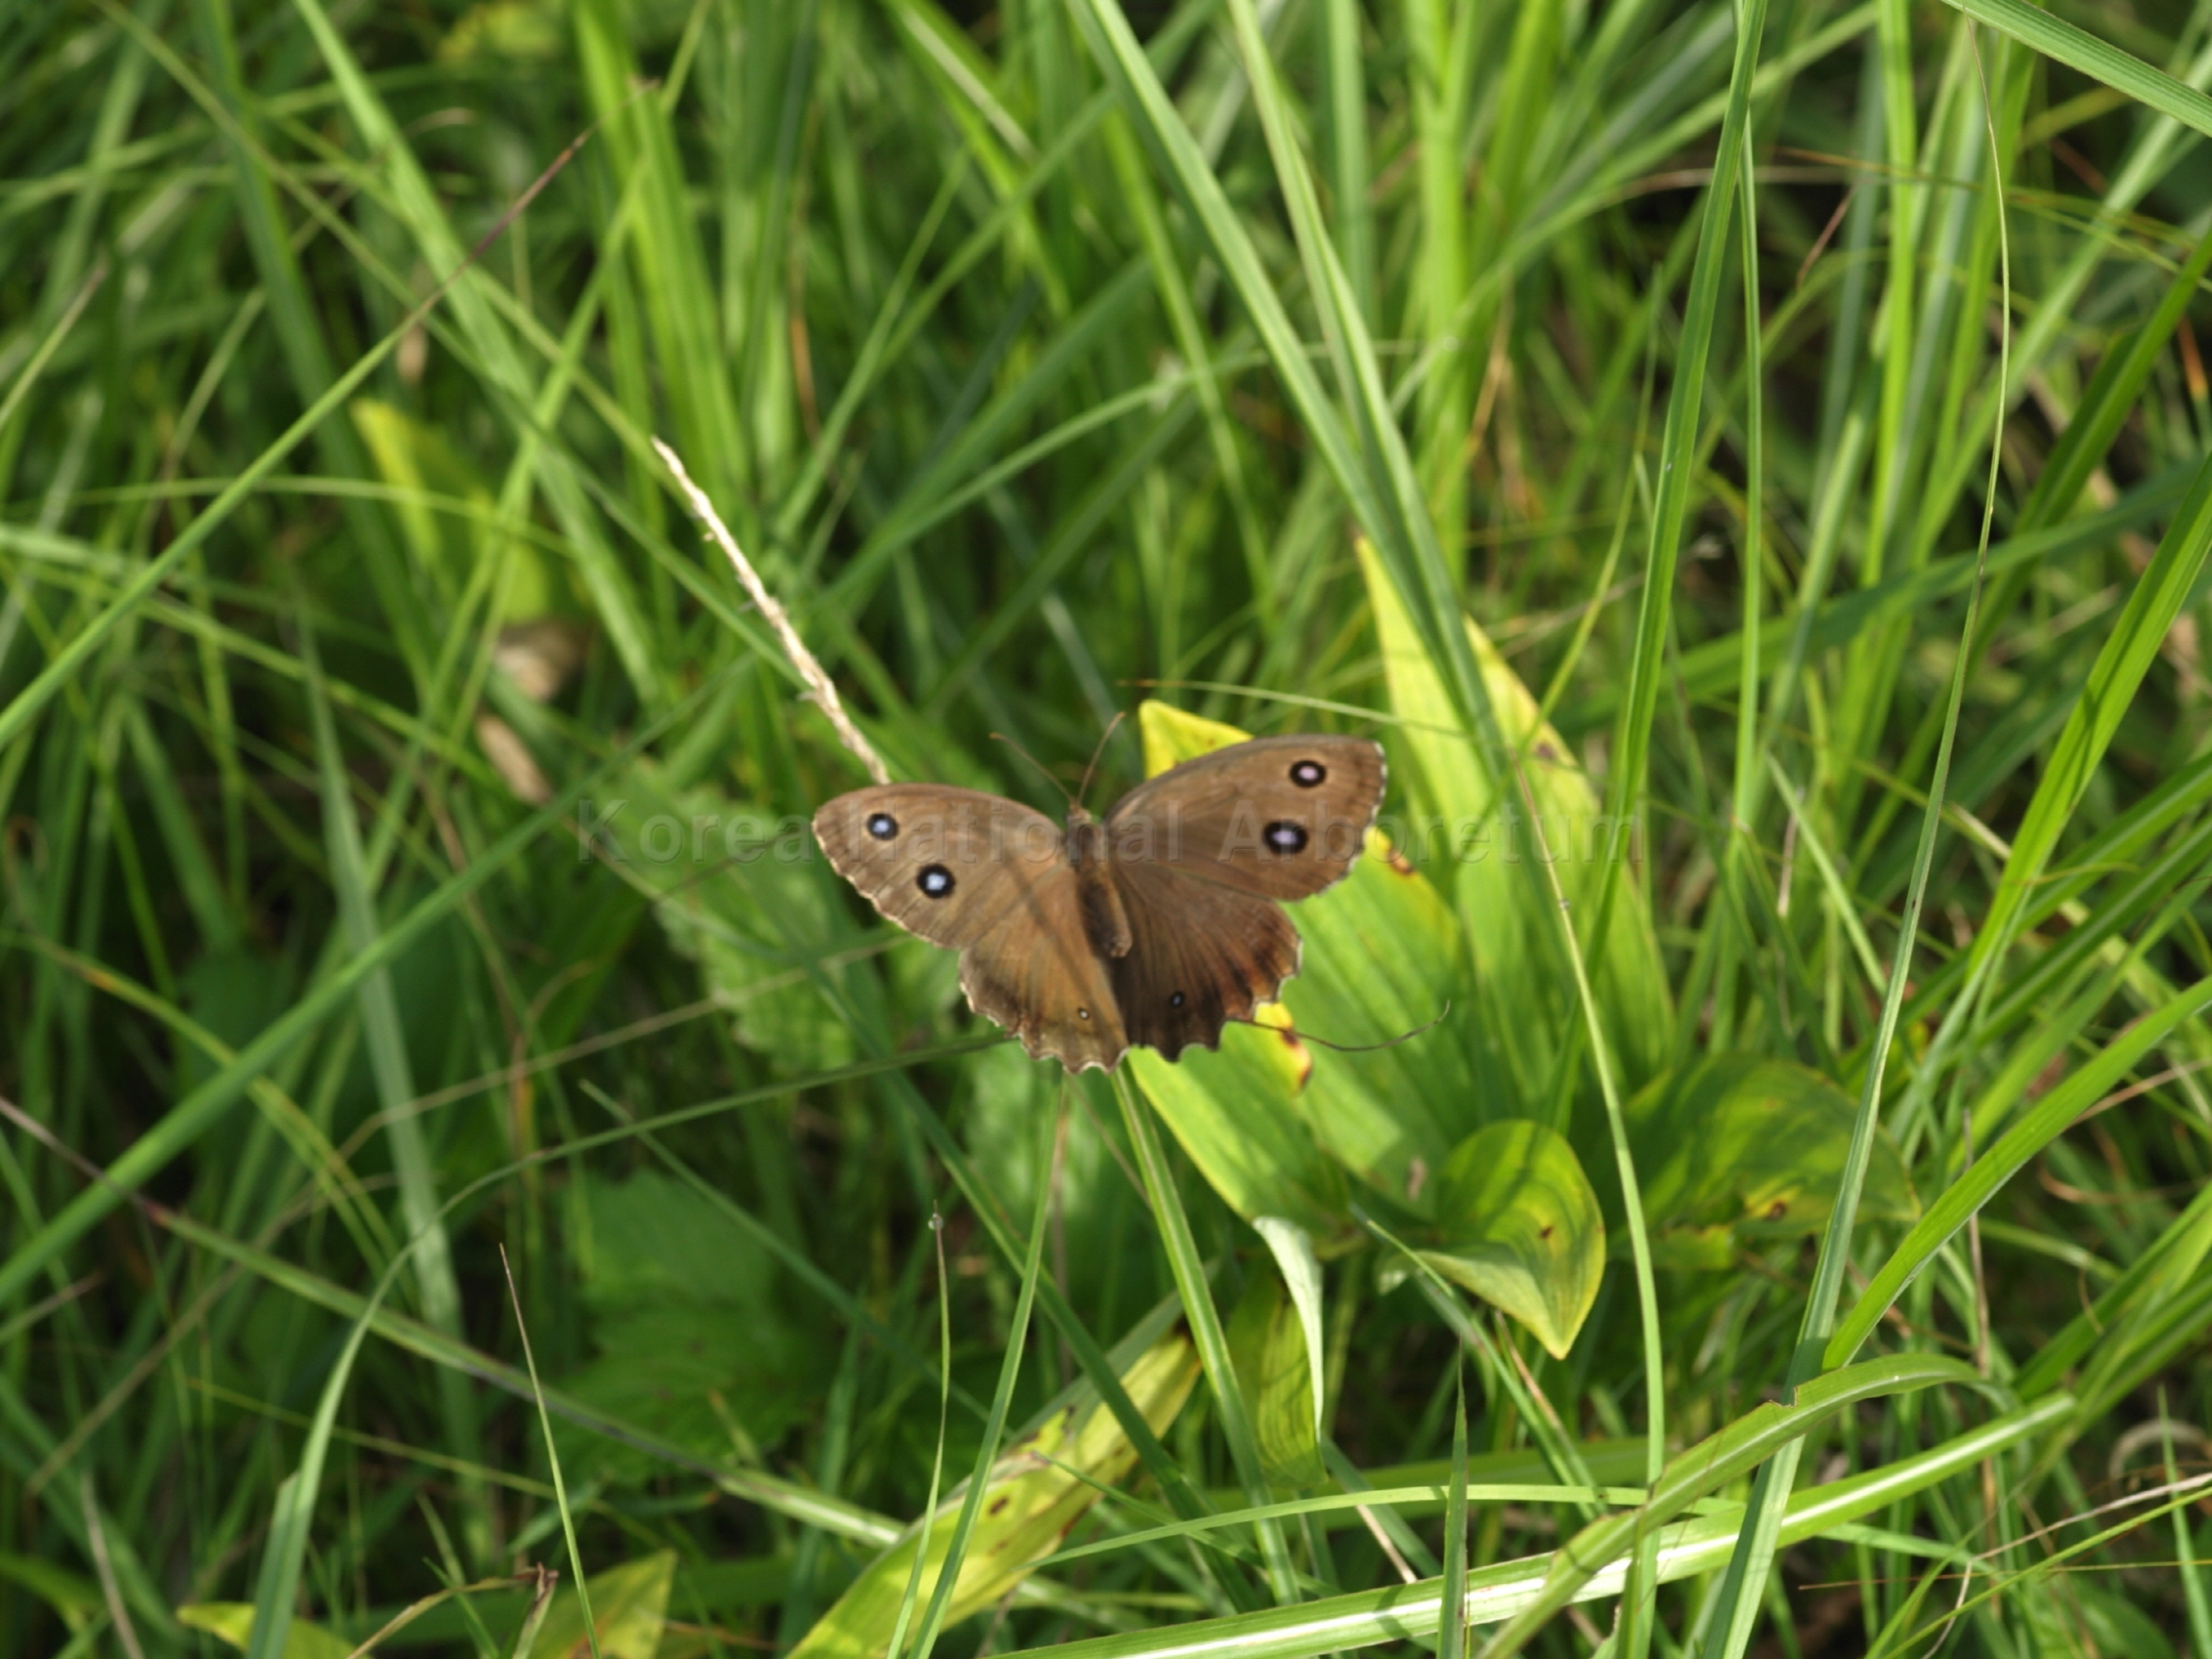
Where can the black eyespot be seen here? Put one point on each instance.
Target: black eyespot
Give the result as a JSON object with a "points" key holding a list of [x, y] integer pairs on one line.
{"points": [[1284, 836], [882, 826], [1176, 1000], [1307, 774], [935, 881]]}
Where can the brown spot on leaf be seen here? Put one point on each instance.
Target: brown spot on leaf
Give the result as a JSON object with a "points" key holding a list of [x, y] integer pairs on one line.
{"points": [[1304, 1054], [1400, 863], [1545, 1231], [998, 1503], [1544, 751], [1777, 1210]]}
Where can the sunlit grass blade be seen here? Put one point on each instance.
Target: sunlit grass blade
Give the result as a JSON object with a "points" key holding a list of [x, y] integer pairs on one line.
{"points": [[2034, 1130], [1372, 1618], [2078, 49], [1193, 1283], [1017, 1341]]}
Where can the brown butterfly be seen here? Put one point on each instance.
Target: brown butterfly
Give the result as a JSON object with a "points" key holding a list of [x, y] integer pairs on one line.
{"points": [[1155, 925]]}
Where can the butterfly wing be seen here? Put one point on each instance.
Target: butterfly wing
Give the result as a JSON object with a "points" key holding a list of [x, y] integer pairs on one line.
{"points": [[944, 864], [1202, 954], [990, 879], [1280, 817], [1035, 973]]}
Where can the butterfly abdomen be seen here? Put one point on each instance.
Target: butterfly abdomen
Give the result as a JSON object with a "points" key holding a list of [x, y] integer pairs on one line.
{"points": [[1105, 921]]}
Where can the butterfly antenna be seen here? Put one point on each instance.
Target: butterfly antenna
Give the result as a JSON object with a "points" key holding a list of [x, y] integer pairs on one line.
{"points": [[1111, 727], [1355, 1048], [1002, 738]]}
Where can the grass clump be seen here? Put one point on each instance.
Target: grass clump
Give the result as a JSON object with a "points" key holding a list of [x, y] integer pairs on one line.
{"points": [[1748, 463]]}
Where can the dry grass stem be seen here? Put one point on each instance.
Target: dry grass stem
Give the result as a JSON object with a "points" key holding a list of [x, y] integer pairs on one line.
{"points": [[819, 685]]}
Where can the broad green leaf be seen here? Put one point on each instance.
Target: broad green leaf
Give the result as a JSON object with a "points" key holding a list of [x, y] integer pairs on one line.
{"points": [[741, 891], [1038, 1489], [691, 1341], [1384, 964], [232, 1622], [1267, 1344], [1517, 1224], [1472, 833], [629, 1612], [1736, 1149]]}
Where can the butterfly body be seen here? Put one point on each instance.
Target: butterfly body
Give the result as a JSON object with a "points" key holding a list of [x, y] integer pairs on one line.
{"points": [[1156, 925], [1105, 919]]}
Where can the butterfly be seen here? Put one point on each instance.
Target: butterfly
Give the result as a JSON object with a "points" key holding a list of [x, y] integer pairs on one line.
{"points": [[1155, 925]]}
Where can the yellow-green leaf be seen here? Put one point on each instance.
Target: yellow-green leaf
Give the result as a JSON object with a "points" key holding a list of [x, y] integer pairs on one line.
{"points": [[232, 1622], [1472, 833], [1039, 1488], [1232, 1111], [629, 1611], [1267, 1344], [1171, 737], [1381, 957]]}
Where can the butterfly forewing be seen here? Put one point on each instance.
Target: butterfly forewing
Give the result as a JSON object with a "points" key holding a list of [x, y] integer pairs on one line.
{"points": [[943, 863], [988, 877], [1282, 818]]}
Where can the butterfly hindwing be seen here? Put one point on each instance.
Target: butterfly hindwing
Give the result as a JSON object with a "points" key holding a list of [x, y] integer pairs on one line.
{"points": [[1202, 954], [1035, 973]]}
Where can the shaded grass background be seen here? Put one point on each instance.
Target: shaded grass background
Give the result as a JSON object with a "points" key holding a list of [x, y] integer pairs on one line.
{"points": [[953, 343]]}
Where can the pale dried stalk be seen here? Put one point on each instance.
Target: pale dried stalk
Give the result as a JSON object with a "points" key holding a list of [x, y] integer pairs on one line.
{"points": [[819, 685]]}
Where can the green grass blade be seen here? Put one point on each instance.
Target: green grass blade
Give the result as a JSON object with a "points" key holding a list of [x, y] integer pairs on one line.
{"points": [[192, 1116], [1192, 1284], [1990, 1170], [1678, 437], [1373, 1618], [994, 1428], [2078, 49]]}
